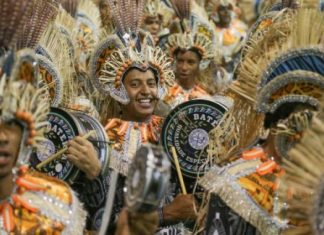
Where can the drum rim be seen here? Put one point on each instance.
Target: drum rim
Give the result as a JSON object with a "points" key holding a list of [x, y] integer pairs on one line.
{"points": [[105, 166]]}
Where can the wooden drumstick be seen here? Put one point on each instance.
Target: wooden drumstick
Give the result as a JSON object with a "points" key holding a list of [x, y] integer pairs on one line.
{"points": [[176, 161], [58, 154]]}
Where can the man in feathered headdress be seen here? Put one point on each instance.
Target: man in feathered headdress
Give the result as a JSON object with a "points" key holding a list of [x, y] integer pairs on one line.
{"points": [[30, 202], [136, 75], [230, 31], [283, 90]]}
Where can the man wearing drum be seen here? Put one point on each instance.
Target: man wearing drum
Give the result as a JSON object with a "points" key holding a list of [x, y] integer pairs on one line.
{"points": [[30, 202], [195, 56], [231, 31], [136, 76], [248, 182]]}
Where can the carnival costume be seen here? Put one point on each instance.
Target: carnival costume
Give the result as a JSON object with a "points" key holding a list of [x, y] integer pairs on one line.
{"points": [[232, 38], [112, 59], [38, 204], [62, 53], [283, 76], [302, 186], [154, 9], [194, 32]]}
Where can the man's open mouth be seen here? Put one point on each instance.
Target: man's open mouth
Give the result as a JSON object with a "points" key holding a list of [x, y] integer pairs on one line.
{"points": [[145, 102], [4, 157]]}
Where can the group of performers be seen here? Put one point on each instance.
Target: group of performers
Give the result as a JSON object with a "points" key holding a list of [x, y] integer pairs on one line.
{"points": [[161, 117]]}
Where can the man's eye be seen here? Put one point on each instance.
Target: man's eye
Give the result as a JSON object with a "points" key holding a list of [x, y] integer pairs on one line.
{"points": [[134, 84], [152, 84]]}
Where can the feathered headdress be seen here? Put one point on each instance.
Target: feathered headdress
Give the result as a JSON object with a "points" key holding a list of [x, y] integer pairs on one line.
{"points": [[153, 8], [43, 11], [265, 77], [13, 16], [21, 99], [89, 30], [118, 53], [302, 187], [55, 65], [196, 32]]}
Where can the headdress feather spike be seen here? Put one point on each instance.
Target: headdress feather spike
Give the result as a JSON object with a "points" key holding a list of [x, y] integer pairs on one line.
{"points": [[127, 20], [12, 16], [42, 13]]}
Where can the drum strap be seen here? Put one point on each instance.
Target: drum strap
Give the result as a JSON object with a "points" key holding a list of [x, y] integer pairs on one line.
{"points": [[109, 202]]}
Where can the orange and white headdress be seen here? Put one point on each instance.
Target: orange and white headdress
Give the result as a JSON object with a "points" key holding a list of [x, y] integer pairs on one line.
{"points": [[123, 51], [21, 98], [196, 32], [302, 187]]}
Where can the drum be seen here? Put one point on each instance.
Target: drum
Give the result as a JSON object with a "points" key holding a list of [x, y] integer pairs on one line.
{"points": [[148, 179], [187, 129], [62, 128]]}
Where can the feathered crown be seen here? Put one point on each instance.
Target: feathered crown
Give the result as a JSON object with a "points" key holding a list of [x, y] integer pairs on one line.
{"points": [[285, 54], [67, 26], [89, 25], [55, 65], [302, 187], [153, 8], [22, 100], [118, 53], [196, 32], [278, 69], [43, 11]]}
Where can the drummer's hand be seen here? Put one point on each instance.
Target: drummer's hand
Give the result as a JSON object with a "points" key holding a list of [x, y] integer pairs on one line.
{"points": [[122, 224], [137, 223], [183, 207], [83, 155]]}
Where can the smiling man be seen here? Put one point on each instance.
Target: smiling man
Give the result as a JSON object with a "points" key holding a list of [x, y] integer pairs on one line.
{"points": [[141, 87]]}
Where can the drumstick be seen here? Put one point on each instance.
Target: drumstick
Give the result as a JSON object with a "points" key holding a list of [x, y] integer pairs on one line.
{"points": [[60, 152], [176, 161]]}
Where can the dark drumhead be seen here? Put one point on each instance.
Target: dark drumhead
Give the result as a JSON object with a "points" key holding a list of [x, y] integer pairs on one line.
{"points": [[186, 128], [62, 128]]}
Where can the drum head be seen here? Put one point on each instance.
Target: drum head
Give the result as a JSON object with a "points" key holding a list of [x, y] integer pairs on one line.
{"points": [[61, 130], [187, 129]]}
